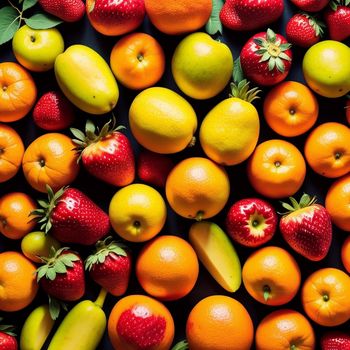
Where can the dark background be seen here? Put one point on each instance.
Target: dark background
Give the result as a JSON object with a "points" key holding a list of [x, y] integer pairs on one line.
{"points": [[330, 110]]}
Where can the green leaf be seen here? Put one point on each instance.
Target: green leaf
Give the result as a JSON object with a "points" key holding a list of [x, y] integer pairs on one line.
{"points": [[78, 134], [284, 56], [54, 308], [237, 71], [27, 4], [214, 25], [90, 127], [272, 63], [9, 23], [259, 42], [271, 36], [42, 21], [266, 56], [182, 345], [279, 65], [51, 274], [285, 47], [60, 267]]}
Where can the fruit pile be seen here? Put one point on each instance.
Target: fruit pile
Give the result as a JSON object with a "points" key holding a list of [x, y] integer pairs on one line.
{"points": [[174, 174]]}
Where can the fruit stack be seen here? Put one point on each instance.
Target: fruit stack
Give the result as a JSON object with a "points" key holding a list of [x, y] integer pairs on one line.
{"points": [[188, 162]]}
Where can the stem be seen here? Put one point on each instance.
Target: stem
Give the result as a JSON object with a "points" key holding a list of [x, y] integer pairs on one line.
{"points": [[101, 298], [267, 292]]}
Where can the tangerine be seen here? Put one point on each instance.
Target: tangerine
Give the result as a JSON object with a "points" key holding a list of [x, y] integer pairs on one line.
{"points": [[345, 254]]}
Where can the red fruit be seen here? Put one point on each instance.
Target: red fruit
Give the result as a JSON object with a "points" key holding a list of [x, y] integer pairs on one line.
{"points": [[110, 266], [266, 58], [72, 217], [7, 337], [251, 222], [62, 276], [249, 15], [115, 17], [304, 30], [337, 18], [310, 5], [106, 154], [66, 10], [335, 340], [307, 227], [153, 168], [53, 112]]}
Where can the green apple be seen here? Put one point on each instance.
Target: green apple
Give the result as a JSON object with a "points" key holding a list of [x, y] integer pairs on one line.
{"points": [[201, 66], [326, 68], [37, 49]]}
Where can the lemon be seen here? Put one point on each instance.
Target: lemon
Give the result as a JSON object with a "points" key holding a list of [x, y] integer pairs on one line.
{"points": [[137, 212], [162, 121]]}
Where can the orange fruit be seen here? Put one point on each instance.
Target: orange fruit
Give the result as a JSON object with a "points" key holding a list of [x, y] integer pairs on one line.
{"points": [[50, 159], [11, 152], [276, 169], [271, 276], [290, 109], [137, 61], [325, 297], [167, 268], [337, 203], [15, 221], [17, 281], [285, 330], [345, 254], [219, 322], [197, 188], [17, 92], [327, 149], [180, 16], [140, 322]]}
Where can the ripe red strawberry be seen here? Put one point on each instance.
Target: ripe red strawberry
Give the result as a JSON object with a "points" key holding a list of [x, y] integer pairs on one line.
{"points": [[337, 18], [310, 5], [335, 340], [307, 227], [249, 15], [66, 10], [53, 111], [304, 30], [153, 168], [72, 217], [266, 58], [106, 154], [62, 276], [110, 266], [7, 337]]}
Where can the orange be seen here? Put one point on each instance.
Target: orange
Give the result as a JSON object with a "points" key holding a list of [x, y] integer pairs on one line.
{"points": [[337, 203], [276, 169], [197, 188], [325, 297], [180, 16], [17, 281], [345, 254], [327, 149], [17, 92], [271, 276], [11, 152], [50, 159], [15, 221], [140, 322], [219, 322], [167, 268], [137, 60], [285, 330], [290, 109]]}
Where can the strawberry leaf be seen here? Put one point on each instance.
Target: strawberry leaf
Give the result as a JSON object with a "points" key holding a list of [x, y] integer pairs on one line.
{"points": [[237, 71], [27, 4], [55, 307], [9, 23], [51, 274], [42, 21], [214, 25], [78, 134], [182, 345]]}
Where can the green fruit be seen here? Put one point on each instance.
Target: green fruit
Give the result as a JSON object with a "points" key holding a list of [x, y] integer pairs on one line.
{"points": [[201, 66], [86, 80], [216, 252], [326, 68]]}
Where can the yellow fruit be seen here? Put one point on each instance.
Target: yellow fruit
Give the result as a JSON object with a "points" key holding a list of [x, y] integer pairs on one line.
{"points": [[137, 212], [162, 121]]}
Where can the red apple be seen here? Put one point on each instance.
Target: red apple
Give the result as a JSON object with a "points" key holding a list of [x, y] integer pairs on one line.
{"points": [[115, 17], [251, 222]]}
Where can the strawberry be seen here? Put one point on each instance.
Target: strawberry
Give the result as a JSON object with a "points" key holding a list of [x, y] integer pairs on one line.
{"points": [[106, 154], [110, 266], [307, 227], [337, 18], [250, 15], [153, 168], [310, 5], [62, 276], [53, 111], [266, 58], [304, 30], [335, 340], [66, 10], [7, 338], [72, 217]]}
